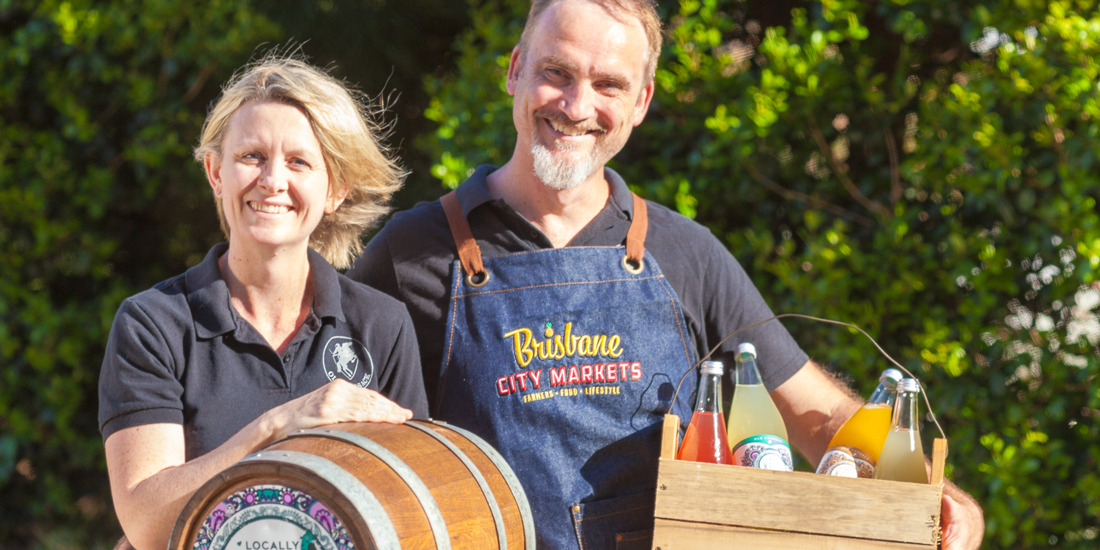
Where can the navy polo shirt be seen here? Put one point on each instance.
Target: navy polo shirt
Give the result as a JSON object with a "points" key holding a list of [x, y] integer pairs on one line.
{"points": [[412, 256], [180, 353]]}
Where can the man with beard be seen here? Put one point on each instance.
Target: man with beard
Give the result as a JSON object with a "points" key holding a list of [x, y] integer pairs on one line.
{"points": [[545, 335]]}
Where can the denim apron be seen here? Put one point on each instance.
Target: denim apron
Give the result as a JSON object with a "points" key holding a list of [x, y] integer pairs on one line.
{"points": [[565, 360]]}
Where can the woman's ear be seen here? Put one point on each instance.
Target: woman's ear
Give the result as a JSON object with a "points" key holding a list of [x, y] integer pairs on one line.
{"points": [[336, 199], [212, 163]]}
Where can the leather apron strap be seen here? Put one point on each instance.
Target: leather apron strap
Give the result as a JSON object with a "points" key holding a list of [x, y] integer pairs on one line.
{"points": [[470, 254], [635, 236], [468, 251]]}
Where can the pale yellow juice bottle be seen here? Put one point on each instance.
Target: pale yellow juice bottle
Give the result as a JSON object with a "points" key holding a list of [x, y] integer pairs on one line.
{"points": [[905, 458], [756, 432], [902, 457]]}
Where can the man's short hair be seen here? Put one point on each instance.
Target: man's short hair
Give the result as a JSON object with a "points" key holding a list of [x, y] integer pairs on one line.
{"points": [[644, 10]]}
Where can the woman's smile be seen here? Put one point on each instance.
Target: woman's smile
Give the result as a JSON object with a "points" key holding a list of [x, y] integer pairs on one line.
{"points": [[269, 208]]}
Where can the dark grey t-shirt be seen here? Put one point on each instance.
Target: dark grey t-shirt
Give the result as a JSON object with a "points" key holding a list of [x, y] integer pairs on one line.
{"points": [[180, 353], [411, 259]]}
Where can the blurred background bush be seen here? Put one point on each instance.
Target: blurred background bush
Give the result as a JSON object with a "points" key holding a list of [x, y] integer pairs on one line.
{"points": [[925, 170]]}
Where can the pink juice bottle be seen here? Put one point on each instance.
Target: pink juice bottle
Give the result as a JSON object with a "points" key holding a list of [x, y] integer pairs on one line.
{"points": [[705, 439]]}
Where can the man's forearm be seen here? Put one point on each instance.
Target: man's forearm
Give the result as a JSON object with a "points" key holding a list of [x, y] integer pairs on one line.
{"points": [[814, 406]]}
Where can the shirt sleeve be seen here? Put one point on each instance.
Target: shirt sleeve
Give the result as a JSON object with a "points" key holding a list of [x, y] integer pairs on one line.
{"points": [[375, 268], [732, 302], [402, 380], [137, 383]]}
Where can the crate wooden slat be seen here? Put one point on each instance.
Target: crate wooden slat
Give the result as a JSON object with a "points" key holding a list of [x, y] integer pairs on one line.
{"points": [[678, 535], [939, 461], [699, 505]]}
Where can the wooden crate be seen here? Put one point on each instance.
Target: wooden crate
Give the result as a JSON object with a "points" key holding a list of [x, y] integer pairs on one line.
{"points": [[707, 506]]}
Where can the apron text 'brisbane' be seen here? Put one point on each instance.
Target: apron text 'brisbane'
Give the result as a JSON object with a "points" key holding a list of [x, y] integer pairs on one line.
{"points": [[566, 345]]}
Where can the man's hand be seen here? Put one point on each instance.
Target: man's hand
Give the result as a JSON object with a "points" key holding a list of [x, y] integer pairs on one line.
{"points": [[961, 519]]}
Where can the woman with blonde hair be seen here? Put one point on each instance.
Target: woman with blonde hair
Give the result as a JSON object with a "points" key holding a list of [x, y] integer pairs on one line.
{"points": [[263, 337]]}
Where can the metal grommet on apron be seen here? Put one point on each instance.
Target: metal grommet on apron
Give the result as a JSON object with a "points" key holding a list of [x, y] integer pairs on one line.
{"points": [[565, 364], [633, 266], [478, 280]]}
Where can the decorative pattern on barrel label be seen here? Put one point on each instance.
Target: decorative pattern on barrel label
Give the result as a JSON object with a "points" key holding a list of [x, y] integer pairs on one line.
{"points": [[272, 517], [767, 452]]}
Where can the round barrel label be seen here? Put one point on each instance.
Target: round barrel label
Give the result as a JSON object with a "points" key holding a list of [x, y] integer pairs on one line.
{"points": [[272, 517], [767, 452]]}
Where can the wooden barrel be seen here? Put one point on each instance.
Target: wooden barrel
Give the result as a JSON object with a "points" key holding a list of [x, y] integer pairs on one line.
{"points": [[359, 486]]}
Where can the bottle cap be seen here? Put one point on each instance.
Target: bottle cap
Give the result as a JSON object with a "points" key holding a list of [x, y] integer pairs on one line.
{"points": [[909, 385], [746, 347], [891, 375], [713, 367]]}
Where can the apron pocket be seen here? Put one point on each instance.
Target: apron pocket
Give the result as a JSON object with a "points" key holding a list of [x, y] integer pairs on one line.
{"points": [[623, 522], [637, 540]]}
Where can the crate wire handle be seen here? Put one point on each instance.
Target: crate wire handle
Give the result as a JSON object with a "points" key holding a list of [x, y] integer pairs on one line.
{"points": [[830, 321]]}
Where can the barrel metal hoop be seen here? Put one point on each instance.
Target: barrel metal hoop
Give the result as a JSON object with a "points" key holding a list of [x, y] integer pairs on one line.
{"points": [[509, 477], [407, 474], [494, 508], [365, 503]]}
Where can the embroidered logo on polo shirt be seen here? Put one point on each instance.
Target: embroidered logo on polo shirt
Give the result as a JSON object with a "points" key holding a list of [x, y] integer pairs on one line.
{"points": [[347, 358]]}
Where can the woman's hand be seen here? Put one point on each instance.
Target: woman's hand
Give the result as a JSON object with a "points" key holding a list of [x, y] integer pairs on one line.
{"points": [[337, 401]]}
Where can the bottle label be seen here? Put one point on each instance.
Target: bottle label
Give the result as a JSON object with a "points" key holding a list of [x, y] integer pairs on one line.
{"points": [[845, 461], [766, 452]]}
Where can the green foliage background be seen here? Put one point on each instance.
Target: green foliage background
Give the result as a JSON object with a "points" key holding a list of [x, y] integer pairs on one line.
{"points": [[100, 105], [925, 170]]}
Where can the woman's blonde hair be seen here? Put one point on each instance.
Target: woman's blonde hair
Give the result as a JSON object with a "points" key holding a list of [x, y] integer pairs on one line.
{"points": [[342, 121]]}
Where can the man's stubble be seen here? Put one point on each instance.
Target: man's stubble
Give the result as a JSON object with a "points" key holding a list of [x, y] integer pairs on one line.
{"points": [[560, 173]]}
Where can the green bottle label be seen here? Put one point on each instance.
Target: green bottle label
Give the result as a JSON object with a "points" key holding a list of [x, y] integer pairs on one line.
{"points": [[766, 452]]}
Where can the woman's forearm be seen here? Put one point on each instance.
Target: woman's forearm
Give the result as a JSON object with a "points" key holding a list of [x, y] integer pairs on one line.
{"points": [[151, 482]]}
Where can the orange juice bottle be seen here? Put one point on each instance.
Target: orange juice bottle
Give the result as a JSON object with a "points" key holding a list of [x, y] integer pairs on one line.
{"points": [[855, 449]]}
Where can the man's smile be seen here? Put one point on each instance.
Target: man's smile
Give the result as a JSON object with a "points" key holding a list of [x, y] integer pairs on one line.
{"points": [[573, 129]]}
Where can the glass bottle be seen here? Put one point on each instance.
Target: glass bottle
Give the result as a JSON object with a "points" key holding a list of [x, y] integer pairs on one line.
{"points": [[705, 439], [902, 456], [855, 449], [756, 430]]}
